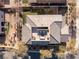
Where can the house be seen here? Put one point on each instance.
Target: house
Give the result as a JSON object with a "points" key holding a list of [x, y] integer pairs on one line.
{"points": [[1, 3], [44, 29], [2, 26], [55, 6], [47, 2], [4, 2], [10, 3]]}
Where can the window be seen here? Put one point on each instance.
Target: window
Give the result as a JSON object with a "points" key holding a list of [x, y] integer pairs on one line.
{"points": [[2, 29], [2, 23], [42, 32]]}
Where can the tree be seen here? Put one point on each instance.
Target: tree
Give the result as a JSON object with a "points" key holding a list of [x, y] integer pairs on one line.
{"points": [[21, 48]]}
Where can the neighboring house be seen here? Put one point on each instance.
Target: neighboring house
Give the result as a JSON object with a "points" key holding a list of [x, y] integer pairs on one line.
{"points": [[47, 2], [1, 3], [44, 29], [2, 26], [56, 6], [2, 22], [10, 3], [5, 2]]}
